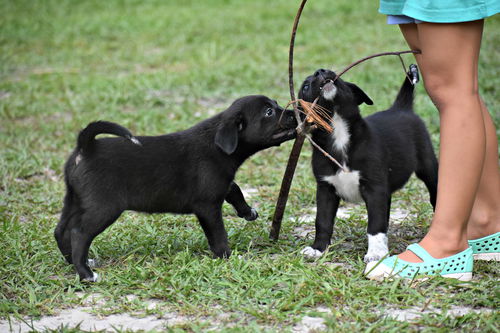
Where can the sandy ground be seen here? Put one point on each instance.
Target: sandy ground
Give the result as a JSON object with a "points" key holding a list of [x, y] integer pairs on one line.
{"points": [[82, 317]]}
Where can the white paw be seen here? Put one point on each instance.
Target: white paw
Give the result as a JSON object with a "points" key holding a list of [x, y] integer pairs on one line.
{"points": [[377, 271], [310, 253], [94, 278], [369, 257], [377, 247]]}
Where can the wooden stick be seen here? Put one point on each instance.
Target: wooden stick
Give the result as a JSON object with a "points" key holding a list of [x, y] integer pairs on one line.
{"points": [[297, 145]]}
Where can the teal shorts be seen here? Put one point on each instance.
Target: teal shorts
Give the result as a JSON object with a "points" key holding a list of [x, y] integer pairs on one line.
{"points": [[440, 11]]}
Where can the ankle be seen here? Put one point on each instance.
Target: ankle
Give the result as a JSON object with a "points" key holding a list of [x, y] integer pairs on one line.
{"points": [[441, 243], [443, 247], [483, 224], [438, 247]]}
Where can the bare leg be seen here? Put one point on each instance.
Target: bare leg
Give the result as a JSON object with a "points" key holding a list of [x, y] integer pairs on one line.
{"points": [[450, 75], [485, 216]]}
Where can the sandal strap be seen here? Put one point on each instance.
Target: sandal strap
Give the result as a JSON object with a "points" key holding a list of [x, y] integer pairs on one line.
{"points": [[421, 252]]}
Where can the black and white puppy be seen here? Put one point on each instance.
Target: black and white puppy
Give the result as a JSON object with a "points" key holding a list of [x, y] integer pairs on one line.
{"points": [[379, 154], [191, 171]]}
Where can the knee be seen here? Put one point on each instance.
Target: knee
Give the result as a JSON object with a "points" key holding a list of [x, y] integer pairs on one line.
{"points": [[445, 91]]}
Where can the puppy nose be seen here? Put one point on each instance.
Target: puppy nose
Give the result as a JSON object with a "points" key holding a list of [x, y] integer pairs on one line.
{"points": [[288, 118], [320, 72]]}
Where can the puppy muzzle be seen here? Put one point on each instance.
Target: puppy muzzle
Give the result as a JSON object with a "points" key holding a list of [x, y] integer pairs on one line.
{"points": [[285, 135], [329, 91], [287, 125]]}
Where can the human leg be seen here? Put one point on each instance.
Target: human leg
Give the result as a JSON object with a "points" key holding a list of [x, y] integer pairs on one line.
{"points": [[485, 216], [469, 180], [450, 76]]}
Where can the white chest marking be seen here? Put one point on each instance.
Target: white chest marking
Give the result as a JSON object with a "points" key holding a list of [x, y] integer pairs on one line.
{"points": [[346, 184], [377, 247], [340, 135]]}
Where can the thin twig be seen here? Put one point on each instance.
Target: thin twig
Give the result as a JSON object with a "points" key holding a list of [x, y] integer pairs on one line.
{"points": [[374, 56], [318, 147]]}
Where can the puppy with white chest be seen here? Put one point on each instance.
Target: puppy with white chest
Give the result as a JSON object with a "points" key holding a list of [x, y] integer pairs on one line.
{"points": [[378, 153], [191, 171]]}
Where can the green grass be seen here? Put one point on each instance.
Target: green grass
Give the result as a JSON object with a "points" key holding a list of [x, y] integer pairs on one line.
{"points": [[161, 66]]}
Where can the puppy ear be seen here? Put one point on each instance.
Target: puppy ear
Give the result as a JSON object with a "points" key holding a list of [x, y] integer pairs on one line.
{"points": [[359, 94], [226, 137]]}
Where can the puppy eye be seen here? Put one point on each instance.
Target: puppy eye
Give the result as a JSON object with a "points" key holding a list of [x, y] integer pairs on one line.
{"points": [[305, 88], [269, 112]]}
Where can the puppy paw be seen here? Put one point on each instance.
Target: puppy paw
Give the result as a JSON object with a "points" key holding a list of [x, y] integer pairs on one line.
{"points": [[93, 278], [222, 252], [377, 247], [310, 253], [252, 215], [369, 257]]}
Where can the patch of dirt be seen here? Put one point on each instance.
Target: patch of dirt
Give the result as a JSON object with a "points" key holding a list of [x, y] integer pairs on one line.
{"points": [[308, 324], [305, 229], [80, 317], [4, 94], [44, 175], [415, 313], [83, 318]]}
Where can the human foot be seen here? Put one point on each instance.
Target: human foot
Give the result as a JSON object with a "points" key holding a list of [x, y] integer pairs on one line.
{"points": [[486, 248], [437, 247], [458, 266]]}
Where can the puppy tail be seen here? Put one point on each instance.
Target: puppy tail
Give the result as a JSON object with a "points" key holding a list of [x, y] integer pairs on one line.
{"points": [[86, 138], [404, 100]]}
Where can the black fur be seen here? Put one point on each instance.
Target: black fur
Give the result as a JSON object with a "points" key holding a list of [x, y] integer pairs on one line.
{"points": [[191, 171], [386, 148]]}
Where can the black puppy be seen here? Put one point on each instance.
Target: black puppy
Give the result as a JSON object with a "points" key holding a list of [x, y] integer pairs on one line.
{"points": [[379, 154], [191, 171]]}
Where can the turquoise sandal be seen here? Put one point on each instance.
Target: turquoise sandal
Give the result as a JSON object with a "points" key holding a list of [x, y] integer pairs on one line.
{"points": [[486, 248], [458, 266]]}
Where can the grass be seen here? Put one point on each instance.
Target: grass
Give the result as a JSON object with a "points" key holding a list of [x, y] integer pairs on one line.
{"points": [[161, 66]]}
